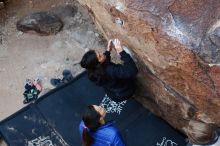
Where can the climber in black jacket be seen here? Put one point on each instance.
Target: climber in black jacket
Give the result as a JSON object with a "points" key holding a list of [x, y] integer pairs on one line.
{"points": [[118, 80]]}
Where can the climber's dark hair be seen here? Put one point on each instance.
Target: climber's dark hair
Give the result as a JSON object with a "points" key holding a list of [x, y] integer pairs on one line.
{"points": [[89, 60], [91, 119], [94, 67]]}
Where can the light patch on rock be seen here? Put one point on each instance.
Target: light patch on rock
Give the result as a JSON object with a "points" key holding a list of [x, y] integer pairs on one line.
{"points": [[120, 6], [211, 65]]}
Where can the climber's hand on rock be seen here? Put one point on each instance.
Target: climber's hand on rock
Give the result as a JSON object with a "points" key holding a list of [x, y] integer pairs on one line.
{"points": [[110, 45], [118, 47]]}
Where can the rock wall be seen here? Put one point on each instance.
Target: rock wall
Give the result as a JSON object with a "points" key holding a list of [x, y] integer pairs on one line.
{"points": [[177, 46]]}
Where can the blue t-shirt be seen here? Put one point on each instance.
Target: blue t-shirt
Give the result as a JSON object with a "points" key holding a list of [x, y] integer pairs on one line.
{"points": [[106, 135]]}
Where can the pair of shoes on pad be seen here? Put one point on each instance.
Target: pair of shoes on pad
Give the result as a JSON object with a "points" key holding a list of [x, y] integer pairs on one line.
{"points": [[67, 77]]}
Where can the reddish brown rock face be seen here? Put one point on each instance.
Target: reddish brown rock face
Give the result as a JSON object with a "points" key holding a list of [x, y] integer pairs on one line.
{"points": [[177, 44], [199, 20]]}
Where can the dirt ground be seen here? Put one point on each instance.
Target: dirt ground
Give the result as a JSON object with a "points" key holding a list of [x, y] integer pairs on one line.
{"points": [[25, 56]]}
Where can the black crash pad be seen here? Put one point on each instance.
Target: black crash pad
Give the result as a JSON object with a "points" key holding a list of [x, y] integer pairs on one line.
{"points": [[54, 119]]}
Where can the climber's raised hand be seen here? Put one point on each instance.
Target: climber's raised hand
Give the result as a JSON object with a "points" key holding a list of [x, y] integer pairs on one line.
{"points": [[117, 45]]}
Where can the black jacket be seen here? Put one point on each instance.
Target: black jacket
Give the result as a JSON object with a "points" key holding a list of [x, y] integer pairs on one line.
{"points": [[120, 78]]}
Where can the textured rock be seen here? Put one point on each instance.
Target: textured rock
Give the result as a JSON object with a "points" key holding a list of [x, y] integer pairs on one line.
{"points": [[43, 23], [65, 11], [177, 45], [2, 5]]}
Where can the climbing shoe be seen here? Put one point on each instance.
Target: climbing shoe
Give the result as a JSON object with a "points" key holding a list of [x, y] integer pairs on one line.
{"points": [[56, 82], [67, 76]]}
